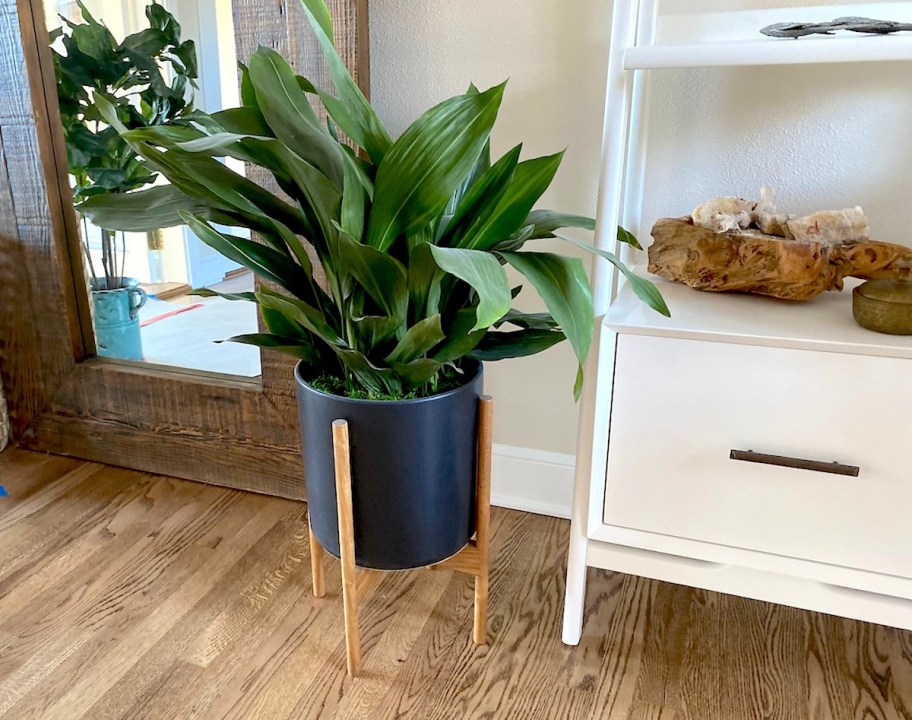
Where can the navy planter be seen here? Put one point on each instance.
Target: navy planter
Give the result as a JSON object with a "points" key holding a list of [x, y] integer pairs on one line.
{"points": [[413, 472]]}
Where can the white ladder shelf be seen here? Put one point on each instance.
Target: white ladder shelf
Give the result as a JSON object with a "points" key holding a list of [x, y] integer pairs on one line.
{"points": [[642, 41]]}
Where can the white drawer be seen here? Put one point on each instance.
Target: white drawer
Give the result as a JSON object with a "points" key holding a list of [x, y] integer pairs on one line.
{"points": [[681, 406]]}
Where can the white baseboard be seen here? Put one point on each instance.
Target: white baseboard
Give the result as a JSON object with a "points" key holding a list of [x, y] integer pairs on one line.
{"points": [[535, 481]]}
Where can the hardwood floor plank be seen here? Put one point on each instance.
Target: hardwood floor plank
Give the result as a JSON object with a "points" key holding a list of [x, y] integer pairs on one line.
{"points": [[31, 468], [869, 652], [126, 596], [643, 710], [664, 639], [620, 643], [397, 640], [830, 693], [35, 670], [35, 523], [247, 617], [208, 567], [64, 584], [160, 679]]}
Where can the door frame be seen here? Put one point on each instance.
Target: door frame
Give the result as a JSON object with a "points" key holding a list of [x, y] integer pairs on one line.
{"points": [[63, 399]]}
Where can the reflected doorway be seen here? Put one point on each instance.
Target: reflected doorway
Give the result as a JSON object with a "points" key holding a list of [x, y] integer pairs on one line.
{"points": [[159, 321]]}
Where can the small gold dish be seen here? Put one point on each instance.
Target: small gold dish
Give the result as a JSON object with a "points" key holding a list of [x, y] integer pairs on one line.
{"points": [[884, 306]]}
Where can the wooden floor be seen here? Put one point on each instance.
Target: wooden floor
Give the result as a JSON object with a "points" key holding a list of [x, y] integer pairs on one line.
{"points": [[125, 595]]}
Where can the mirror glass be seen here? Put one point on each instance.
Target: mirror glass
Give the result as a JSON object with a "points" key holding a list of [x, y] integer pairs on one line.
{"points": [[157, 61]]}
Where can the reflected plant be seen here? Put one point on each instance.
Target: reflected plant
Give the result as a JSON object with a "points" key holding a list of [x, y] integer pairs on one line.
{"points": [[390, 255], [149, 80]]}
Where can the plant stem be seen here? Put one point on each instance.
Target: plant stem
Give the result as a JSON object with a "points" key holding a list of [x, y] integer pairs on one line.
{"points": [[106, 257], [85, 246], [123, 257]]}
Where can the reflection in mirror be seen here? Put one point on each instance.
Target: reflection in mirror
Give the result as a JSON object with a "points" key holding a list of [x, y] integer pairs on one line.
{"points": [[156, 61]]}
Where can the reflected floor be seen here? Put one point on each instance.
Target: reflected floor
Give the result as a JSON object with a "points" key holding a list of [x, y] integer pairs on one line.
{"points": [[183, 330]]}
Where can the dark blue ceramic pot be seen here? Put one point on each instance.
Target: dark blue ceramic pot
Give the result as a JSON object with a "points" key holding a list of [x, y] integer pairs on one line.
{"points": [[413, 472]]}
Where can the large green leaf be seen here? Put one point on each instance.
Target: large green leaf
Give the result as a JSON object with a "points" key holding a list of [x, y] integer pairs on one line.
{"points": [[530, 180], [351, 111], [377, 381], [163, 135], [497, 345], [625, 236], [642, 288], [425, 165], [372, 331], [290, 346], [218, 144], [482, 165], [484, 274], [531, 321], [381, 275], [278, 323], [303, 314], [482, 198], [262, 260], [288, 112], [209, 292], [424, 281], [417, 372], [234, 190], [140, 211], [209, 181], [563, 285], [418, 340], [242, 120], [354, 201], [460, 337], [546, 222], [319, 196]]}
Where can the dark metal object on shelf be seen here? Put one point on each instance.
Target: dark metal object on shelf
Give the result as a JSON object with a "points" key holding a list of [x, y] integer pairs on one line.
{"points": [[852, 24]]}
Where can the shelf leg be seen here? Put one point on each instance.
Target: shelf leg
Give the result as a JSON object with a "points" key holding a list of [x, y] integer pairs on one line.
{"points": [[347, 545], [575, 592]]}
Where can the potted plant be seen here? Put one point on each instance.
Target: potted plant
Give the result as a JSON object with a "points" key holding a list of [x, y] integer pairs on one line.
{"points": [[132, 76], [389, 257]]}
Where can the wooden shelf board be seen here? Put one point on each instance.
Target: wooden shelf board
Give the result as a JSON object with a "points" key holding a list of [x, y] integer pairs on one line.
{"points": [[824, 323]]}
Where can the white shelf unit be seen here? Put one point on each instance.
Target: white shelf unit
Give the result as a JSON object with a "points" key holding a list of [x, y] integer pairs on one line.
{"points": [[732, 39], [825, 325], [819, 339]]}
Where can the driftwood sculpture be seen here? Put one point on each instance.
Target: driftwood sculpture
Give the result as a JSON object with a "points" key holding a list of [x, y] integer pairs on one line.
{"points": [[851, 24], [720, 248]]}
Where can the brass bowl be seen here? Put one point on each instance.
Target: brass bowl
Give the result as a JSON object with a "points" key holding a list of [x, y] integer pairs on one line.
{"points": [[884, 306]]}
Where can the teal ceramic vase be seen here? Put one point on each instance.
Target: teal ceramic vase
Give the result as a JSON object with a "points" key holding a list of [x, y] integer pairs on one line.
{"points": [[117, 331]]}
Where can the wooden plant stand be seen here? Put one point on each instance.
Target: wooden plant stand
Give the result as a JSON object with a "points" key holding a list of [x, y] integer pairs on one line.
{"points": [[357, 583]]}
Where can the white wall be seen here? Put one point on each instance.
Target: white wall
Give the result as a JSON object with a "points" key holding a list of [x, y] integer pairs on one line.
{"points": [[823, 137]]}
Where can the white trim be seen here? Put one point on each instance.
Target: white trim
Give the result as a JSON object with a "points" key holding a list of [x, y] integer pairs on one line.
{"points": [[536, 481], [799, 592], [698, 552]]}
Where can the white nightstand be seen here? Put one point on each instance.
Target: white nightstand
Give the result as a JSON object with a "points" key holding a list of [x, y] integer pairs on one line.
{"points": [[744, 445]]}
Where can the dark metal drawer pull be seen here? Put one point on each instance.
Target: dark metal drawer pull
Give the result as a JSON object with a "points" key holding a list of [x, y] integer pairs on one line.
{"points": [[834, 468]]}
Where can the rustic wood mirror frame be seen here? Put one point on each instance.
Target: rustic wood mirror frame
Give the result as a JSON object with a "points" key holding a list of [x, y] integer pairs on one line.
{"points": [[62, 399]]}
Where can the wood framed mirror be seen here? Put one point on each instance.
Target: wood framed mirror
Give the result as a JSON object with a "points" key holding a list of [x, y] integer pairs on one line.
{"points": [[63, 398]]}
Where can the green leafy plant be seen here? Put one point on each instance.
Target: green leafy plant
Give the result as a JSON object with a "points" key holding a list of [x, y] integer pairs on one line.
{"points": [[390, 254], [133, 75]]}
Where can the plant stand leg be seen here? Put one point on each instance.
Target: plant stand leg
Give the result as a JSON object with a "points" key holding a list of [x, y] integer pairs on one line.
{"points": [[474, 558], [347, 545], [316, 563], [483, 516]]}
